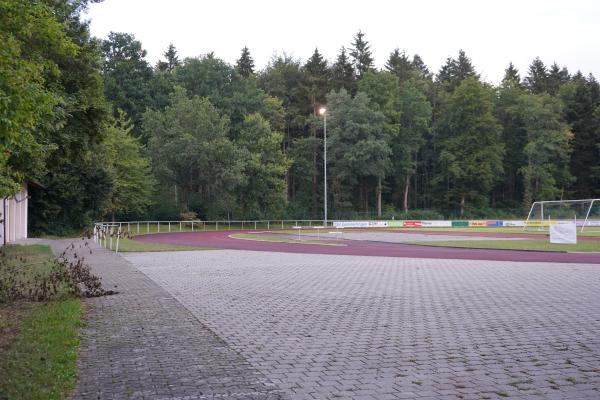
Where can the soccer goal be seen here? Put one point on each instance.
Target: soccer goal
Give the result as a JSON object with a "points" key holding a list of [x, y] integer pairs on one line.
{"points": [[585, 214]]}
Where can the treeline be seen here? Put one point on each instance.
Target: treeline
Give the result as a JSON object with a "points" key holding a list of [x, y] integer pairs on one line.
{"points": [[111, 136]]}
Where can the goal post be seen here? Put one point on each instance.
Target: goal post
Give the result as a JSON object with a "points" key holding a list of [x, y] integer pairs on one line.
{"points": [[585, 213]]}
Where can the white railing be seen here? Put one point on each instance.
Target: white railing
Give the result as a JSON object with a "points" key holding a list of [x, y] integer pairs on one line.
{"points": [[108, 234]]}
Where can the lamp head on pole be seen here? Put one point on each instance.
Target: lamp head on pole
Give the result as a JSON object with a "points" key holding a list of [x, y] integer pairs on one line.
{"points": [[322, 111]]}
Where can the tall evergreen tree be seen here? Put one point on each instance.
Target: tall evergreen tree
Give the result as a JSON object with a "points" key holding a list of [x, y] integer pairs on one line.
{"points": [[399, 64], [556, 78], [420, 66], [511, 79], [245, 64], [455, 71], [361, 55], [581, 102], [171, 60], [537, 79], [342, 73]]}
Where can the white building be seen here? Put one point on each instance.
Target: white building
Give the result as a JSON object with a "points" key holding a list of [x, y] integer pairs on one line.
{"points": [[13, 218]]}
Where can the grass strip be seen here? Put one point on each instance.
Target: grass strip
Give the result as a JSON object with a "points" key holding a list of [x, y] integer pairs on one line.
{"points": [[535, 245], [41, 360]]}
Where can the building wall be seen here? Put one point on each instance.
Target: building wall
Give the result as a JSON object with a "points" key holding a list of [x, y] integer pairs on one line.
{"points": [[15, 217]]}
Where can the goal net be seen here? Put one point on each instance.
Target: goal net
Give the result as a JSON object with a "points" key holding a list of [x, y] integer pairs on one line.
{"points": [[585, 214]]}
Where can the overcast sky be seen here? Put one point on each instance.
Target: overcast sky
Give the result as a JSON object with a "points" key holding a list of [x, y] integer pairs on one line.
{"points": [[491, 33]]}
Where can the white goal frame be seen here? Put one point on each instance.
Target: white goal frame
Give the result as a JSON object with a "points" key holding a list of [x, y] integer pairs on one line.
{"points": [[541, 223]]}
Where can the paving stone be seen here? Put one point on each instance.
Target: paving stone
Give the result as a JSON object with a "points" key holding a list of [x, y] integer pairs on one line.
{"points": [[396, 326], [143, 344]]}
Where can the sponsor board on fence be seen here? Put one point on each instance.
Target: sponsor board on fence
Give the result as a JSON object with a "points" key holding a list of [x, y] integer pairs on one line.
{"points": [[351, 224], [514, 223], [378, 224], [413, 224], [436, 224], [460, 223], [477, 223], [395, 224]]}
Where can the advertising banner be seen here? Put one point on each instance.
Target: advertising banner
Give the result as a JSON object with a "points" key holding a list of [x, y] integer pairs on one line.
{"points": [[378, 224], [395, 224], [494, 223], [460, 223], [477, 223], [513, 223], [436, 224], [351, 224], [413, 224]]}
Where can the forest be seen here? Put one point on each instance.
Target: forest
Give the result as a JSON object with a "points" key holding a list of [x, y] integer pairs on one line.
{"points": [[110, 136]]}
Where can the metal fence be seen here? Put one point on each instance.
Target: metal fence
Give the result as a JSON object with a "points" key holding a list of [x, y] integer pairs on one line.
{"points": [[109, 234]]}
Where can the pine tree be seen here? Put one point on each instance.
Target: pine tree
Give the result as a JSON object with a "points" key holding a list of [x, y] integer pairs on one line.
{"points": [[537, 80], [361, 55], [245, 64], [511, 79], [556, 78], [172, 60], [342, 73], [420, 66], [455, 71], [400, 65]]}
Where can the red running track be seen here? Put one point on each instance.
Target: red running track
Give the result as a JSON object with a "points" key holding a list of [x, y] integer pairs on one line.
{"points": [[221, 240]]}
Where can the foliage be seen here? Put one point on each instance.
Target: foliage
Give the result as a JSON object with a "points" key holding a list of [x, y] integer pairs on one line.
{"points": [[471, 149], [190, 147], [32, 42], [129, 170], [263, 193], [546, 173], [359, 146]]}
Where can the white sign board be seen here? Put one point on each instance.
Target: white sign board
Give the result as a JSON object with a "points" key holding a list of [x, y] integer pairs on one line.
{"points": [[437, 224], [513, 223], [565, 233], [351, 224]]}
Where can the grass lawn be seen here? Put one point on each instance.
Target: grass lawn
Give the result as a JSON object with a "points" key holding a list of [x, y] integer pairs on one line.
{"points": [[40, 359], [38, 340], [539, 245], [495, 230], [266, 238], [129, 245]]}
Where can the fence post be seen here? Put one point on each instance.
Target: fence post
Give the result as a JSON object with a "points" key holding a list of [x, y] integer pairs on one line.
{"points": [[147, 227], [268, 224], [158, 222], [254, 225], [118, 238], [179, 226], [138, 227], [169, 226], [192, 226], [216, 225]]}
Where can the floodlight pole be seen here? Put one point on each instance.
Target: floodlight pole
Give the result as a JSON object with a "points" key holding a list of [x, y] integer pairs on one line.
{"points": [[323, 111]]}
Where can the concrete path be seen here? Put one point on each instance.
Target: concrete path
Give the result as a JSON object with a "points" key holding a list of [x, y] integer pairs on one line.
{"points": [[345, 327], [143, 344]]}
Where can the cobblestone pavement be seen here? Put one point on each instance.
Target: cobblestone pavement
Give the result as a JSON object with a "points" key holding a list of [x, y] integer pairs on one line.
{"points": [[342, 327], [142, 343]]}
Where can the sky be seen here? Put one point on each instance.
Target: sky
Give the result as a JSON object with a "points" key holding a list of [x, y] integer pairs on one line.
{"points": [[492, 33]]}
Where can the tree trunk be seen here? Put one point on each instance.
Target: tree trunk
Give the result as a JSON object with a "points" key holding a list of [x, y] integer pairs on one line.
{"points": [[406, 185], [379, 197]]}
